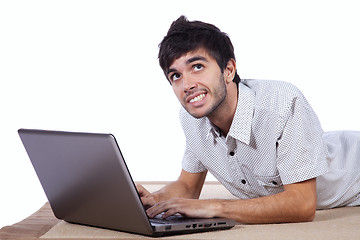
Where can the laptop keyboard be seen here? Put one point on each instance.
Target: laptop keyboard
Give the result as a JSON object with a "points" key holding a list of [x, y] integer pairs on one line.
{"points": [[171, 219]]}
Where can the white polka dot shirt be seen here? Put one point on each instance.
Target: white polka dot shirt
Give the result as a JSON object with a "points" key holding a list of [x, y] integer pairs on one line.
{"points": [[275, 139]]}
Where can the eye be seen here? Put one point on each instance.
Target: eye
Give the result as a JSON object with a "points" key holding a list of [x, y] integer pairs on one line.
{"points": [[175, 77], [198, 67]]}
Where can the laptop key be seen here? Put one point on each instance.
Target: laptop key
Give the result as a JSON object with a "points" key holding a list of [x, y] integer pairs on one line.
{"points": [[170, 219]]}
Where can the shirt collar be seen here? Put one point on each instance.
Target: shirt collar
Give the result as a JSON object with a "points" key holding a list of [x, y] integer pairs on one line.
{"points": [[240, 128]]}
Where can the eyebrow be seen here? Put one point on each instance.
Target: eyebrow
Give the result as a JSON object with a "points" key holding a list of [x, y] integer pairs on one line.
{"points": [[196, 58], [190, 60]]}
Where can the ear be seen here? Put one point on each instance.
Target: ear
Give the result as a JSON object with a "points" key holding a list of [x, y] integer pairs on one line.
{"points": [[230, 70]]}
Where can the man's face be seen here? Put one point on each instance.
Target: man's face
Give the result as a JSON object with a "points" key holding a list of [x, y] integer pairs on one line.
{"points": [[198, 83]]}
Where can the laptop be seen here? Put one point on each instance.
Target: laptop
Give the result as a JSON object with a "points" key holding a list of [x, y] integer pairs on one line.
{"points": [[86, 181]]}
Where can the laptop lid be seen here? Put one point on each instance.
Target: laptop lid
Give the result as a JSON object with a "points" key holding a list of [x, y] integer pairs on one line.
{"points": [[86, 181]]}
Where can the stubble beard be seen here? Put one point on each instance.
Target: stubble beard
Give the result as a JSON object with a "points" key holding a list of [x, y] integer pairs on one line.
{"points": [[220, 93]]}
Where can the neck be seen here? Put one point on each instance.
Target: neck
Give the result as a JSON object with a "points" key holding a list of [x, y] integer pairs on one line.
{"points": [[224, 114]]}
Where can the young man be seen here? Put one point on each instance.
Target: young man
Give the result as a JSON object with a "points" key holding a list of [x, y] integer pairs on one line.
{"points": [[260, 139]]}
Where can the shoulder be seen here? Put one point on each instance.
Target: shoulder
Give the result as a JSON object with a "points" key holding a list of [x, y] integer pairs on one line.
{"points": [[279, 99], [271, 87], [274, 94]]}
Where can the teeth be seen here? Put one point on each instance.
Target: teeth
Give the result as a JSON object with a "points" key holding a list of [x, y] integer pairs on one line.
{"points": [[198, 98]]}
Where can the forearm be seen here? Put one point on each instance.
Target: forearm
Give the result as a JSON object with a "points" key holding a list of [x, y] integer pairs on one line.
{"points": [[188, 185], [288, 206], [270, 209], [297, 203], [171, 190]]}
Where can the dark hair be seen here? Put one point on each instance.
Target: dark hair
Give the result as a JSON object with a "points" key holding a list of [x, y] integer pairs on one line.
{"points": [[185, 36]]}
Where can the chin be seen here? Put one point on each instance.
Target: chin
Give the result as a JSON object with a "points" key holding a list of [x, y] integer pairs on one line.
{"points": [[196, 114]]}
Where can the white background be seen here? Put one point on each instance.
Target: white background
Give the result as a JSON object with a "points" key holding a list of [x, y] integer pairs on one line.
{"points": [[92, 66]]}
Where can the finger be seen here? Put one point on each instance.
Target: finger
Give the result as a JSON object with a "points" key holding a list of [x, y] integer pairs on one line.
{"points": [[171, 212], [156, 209], [148, 201], [146, 197], [169, 208], [141, 190]]}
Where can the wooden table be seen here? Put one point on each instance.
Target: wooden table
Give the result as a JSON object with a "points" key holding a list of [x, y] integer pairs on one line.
{"points": [[341, 223]]}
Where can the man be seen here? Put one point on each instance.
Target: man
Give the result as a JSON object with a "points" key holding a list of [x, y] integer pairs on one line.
{"points": [[260, 139]]}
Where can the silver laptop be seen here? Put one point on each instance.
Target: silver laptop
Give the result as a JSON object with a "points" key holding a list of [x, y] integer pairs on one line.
{"points": [[86, 181]]}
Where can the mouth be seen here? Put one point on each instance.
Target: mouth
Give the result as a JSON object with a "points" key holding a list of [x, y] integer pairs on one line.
{"points": [[197, 98]]}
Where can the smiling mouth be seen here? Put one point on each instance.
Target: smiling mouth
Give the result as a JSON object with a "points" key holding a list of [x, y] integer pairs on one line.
{"points": [[198, 98]]}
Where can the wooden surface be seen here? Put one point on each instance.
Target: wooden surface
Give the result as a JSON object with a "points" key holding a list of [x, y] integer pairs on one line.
{"points": [[32, 227], [341, 223]]}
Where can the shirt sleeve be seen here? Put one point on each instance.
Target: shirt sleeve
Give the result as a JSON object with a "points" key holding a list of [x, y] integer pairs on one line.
{"points": [[191, 164], [301, 151]]}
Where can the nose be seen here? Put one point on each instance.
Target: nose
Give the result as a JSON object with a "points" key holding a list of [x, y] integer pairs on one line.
{"points": [[189, 82]]}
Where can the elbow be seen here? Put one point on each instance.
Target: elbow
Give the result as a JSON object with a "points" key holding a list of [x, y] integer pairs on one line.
{"points": [[307, 212], [300, 215], [304, 202], [311, 214], [303, 210], [308, 217]]}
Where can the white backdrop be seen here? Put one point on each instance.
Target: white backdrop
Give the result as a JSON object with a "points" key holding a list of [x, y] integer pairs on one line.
{"points": [[92, 66]]}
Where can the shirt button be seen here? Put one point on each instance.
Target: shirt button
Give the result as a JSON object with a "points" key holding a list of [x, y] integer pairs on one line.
{"points": [[274, 182], [232, 153], [243, 181]]}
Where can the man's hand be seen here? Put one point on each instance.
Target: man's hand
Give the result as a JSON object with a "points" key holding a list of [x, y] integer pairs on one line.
{"points": [[188, 185], [193, 208], [297, 203], [147, 198]]}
